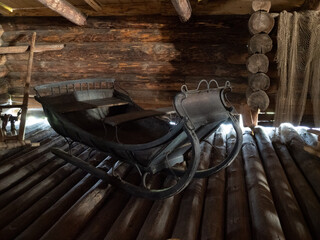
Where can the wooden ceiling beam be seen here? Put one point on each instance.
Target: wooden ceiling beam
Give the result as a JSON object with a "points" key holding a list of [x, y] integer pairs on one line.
{"points": [[94, 4], [311, 5], [183, 9], [66, 10]]}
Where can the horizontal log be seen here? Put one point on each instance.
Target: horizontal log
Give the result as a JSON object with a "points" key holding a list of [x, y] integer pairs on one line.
{"points": [[133, 67], [22, 49], [149, 51], [80, 35], [225, 22]]}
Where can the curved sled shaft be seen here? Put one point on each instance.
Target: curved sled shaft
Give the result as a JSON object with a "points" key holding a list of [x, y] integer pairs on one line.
{"points": [[140, 191], [225, 163]]}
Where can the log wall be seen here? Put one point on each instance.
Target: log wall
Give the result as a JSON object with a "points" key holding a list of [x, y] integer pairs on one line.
{"points": [[151, 56]]}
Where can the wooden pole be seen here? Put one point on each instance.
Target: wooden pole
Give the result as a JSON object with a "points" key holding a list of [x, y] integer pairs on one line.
{"points": [[183, 9], [66, 10], [26, 90], [94, 4]]}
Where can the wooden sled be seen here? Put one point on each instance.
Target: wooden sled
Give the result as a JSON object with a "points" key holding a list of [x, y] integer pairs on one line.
{"points": [[98, 114]]}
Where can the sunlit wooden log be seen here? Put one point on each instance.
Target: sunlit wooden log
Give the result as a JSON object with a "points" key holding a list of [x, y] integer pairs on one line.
{"points": [[66, 10], [183, 9]]}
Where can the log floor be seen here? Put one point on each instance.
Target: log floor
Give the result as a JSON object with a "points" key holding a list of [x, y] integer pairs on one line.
{"points": [[271, 191]]}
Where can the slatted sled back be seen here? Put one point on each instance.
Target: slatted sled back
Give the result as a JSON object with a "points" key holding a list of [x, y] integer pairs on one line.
{"points": [[202, 107]]}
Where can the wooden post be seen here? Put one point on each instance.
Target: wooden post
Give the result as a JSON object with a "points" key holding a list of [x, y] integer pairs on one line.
{"points": [[26, 90], [66, 10], [183, 9]]}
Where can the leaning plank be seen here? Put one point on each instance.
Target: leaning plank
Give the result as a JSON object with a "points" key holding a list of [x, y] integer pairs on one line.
{"points": [[264, 217], [286, 204], [304, 194], [183, 9], [101, 223], [213, 215], [66, 10], [66, 227], [309, 164], [133, 216], [32, 213], [237, 207]]}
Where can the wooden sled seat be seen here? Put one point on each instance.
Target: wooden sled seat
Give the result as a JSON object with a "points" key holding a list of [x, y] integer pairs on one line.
{"points": [[131, 116]]}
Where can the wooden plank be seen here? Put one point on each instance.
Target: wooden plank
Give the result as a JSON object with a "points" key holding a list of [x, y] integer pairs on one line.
{"points": [[131, 116], [308, 163], [264, 218], [66, 10], [130, 220], [303, 192], [23, 202], [237, 213], [188, 221], [52, 214], [7, 166], [99, 226], [32, 213], [286, 204], [83, 210], [39, 48], [161, 218], [213, 218]]}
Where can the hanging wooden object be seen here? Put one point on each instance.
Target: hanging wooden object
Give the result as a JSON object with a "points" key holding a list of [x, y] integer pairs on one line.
{"points": [[259, 81], [260, 43], [258, 63], [258, 100], [260, 22]]}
